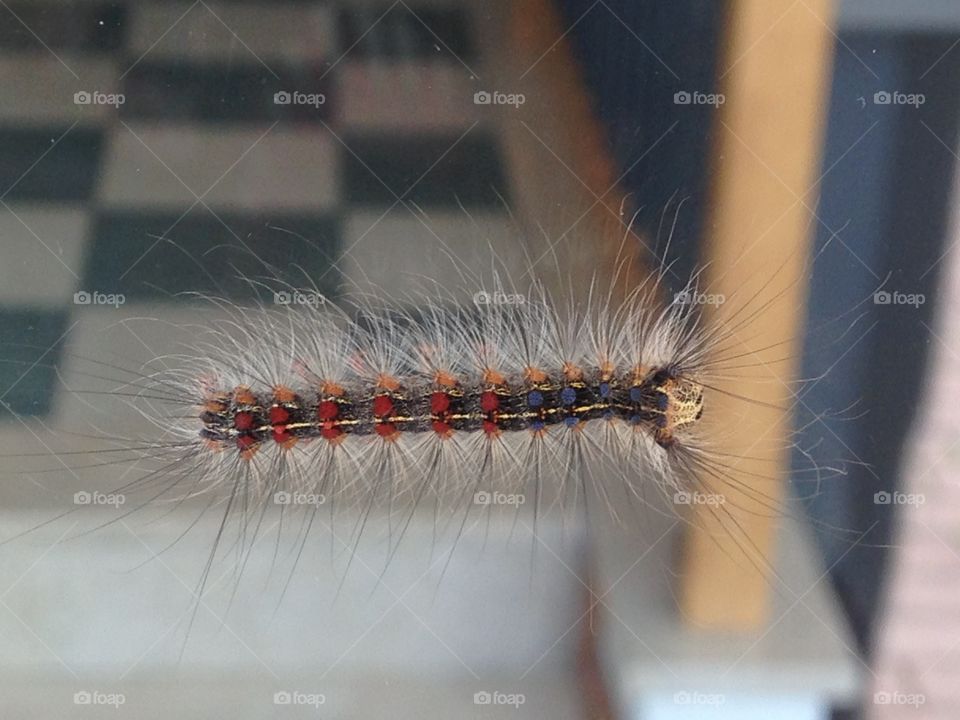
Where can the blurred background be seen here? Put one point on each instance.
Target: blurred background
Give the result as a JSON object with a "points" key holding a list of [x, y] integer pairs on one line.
{"points": [[152, 148]]}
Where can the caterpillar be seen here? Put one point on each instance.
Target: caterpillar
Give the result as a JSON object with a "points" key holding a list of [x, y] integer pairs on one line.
{"points": [[452, 388], [300, 400]]}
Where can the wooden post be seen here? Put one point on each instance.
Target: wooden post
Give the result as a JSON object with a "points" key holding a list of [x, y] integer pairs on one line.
{"points": [[774, 76]]}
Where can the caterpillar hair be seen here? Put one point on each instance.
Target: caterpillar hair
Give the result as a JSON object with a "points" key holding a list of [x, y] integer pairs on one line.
{"points": [[297, 402]]}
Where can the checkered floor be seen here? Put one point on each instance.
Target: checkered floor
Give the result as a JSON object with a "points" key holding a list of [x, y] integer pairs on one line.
{"points": [[308, 138]]}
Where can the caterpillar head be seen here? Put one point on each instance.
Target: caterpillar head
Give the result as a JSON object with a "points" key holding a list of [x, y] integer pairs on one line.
{"points": [[683, 407]]}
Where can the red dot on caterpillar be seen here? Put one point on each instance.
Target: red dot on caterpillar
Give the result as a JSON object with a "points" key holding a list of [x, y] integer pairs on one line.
{"points": [[284, 438], [387, 430], [442, 429], [328, 410], [329, 431], [383, 406], [243, 420], [491, 428], [439, 403], [279, 415], [248, 446], [489, 401]]}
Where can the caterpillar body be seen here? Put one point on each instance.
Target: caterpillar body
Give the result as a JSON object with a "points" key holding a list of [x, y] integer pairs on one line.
{"points": [[660, 401], [316, 398], [655, 398]]}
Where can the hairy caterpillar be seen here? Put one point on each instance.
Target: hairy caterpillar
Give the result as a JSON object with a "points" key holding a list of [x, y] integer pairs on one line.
{"points": [[292, 406], [488, 394]]}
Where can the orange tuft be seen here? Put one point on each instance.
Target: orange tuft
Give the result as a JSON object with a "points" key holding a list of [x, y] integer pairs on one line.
{"points": [[640, 373], [283, 394], [214, 405], [571, 372], [329, 388], [388, 382], [535, 375], [493, 377], [242, 395], [606, 370], [445, 379]]}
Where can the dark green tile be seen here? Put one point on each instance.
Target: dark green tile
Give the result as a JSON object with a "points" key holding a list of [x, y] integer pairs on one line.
{"points": [[67, 172], [213, 92], [148, 256], [379, 168], [25, 337], [78, 27], [406, 31]]}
